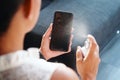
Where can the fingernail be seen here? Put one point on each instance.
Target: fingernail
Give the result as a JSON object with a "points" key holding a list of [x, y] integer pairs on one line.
{"points": [[79, 56], [89, 35], [78, 48]]}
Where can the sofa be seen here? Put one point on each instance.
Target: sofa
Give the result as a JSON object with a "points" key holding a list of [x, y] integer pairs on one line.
{"points": [[101, 18]]}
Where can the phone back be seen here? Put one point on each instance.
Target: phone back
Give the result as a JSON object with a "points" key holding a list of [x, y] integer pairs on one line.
{"points": [[61, 32]]}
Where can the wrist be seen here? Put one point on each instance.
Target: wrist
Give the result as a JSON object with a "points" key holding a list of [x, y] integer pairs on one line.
{"points": [[43, 54], [88, 77]]}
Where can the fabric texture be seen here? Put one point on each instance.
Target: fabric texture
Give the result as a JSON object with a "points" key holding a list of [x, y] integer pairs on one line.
{"points": [[25, 65]]}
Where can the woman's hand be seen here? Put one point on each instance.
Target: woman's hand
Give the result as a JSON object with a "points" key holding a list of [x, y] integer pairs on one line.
{"points": [[87, 66], [45, 44]]}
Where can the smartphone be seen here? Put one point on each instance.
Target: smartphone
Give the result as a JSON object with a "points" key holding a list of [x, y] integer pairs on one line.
{"points": [[61, 31]]}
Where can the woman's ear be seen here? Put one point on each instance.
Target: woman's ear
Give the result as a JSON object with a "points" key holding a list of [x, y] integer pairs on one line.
{"points": [[31, 10], [27, 8]]}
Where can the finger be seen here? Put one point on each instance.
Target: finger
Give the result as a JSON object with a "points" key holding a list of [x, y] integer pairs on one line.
{"points": [[92, 39], [70, 44], [79, 57], [93, 48], [48, 32]]}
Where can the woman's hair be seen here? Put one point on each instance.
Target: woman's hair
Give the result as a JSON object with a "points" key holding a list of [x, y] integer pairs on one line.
{"points": [[7, 10]]}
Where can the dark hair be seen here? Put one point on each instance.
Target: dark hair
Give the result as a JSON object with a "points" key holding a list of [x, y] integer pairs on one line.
{"points": [[7, 10]]}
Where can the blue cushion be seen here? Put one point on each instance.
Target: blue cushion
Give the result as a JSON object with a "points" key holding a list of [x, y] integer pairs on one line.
{"points": [[108, 72], [45, 3], [111, 53], [109, 68]]}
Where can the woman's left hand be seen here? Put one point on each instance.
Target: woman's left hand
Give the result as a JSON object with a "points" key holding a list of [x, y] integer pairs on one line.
{"points": [[45, 50]]}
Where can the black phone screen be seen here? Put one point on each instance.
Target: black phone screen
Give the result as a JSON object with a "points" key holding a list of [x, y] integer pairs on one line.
{"points": [[61, 32]]}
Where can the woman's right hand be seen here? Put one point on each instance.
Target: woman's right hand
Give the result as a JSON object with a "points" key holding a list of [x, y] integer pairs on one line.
{"points": [[87, 66]]}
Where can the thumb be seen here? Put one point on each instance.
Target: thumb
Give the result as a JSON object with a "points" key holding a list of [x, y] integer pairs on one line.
{"points": [[48, 32], [79, 56]]}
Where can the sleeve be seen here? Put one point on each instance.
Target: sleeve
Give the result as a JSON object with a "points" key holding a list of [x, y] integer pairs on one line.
{"points": [[32, 70], [44, 69], [49, 68], [33, 52]]}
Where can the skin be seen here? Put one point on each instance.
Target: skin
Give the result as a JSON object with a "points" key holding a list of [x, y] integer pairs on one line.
{"points": [[24, 20], [88, 66]]}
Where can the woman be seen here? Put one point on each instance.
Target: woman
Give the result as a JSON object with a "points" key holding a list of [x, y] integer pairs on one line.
{"points": [[17, 17]]}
